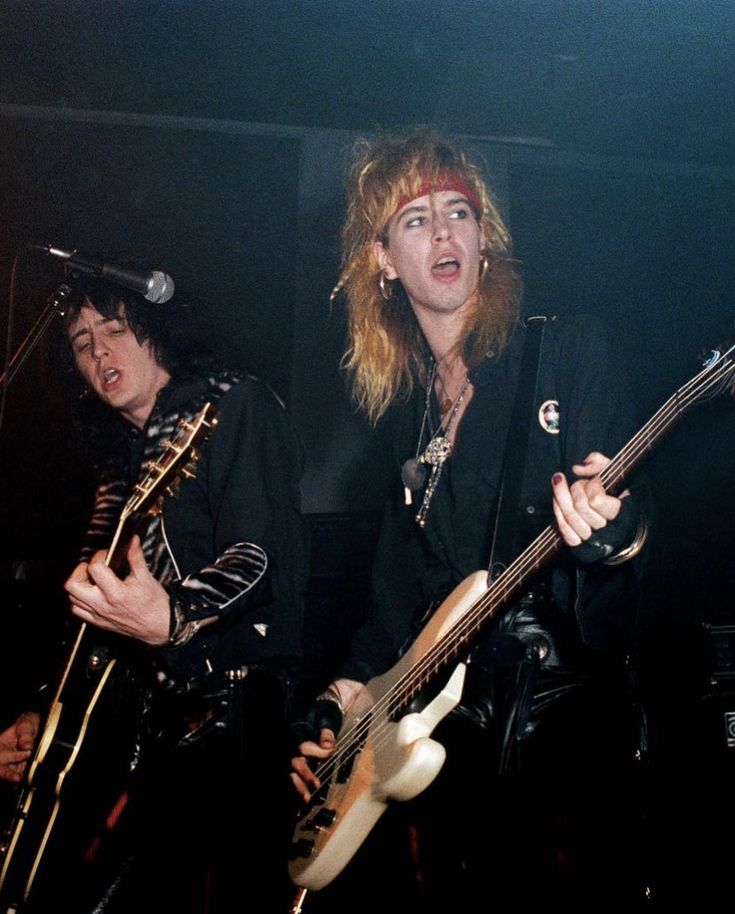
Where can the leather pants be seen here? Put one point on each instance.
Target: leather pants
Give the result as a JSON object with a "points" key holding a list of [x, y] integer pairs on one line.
{"points": [[531, 660], [208, 818]]}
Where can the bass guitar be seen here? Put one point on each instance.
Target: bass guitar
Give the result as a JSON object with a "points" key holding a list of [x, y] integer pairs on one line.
{"points": [[384, 751], [35, 831]]}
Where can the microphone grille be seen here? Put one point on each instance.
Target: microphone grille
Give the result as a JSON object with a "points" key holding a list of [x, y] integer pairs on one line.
{"points": [[160, 288]]}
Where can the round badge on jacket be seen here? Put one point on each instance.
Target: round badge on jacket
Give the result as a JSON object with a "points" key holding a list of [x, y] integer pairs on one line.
{"points": [[548, 416]]}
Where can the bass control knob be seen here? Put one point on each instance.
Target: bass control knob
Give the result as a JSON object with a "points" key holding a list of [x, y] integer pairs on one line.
{"points": [[301, 848]]}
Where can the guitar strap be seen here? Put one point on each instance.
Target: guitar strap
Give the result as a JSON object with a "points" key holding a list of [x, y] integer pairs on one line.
{"points": [[505, 526], [505, 534]]}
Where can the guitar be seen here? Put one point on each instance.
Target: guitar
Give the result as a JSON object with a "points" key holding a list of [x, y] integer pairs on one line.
{"points": [[26, 850], [384, 751]]}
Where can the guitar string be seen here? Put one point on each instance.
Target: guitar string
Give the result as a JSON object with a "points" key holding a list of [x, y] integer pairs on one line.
{"points": [[483, 609]]}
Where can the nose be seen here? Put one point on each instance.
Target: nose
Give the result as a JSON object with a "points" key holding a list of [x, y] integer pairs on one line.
{"points": [[99, 348], [441, 226]]}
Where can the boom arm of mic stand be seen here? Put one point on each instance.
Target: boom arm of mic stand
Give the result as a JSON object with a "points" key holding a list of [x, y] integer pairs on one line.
{"points": [[54, 307]]}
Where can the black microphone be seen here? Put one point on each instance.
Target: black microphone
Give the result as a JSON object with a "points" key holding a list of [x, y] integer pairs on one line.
{"points": [[155, 286]]}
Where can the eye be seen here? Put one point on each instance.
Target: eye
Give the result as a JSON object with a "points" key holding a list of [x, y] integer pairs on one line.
{"points": [[116, 329], [80, 347], [415, 222], [461, 212]]}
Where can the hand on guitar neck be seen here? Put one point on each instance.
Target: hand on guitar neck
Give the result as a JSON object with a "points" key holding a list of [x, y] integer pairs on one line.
{"points": [[584, 506], [136, 606]]}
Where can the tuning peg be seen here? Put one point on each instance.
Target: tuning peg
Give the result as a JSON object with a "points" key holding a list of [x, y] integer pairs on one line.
{"points": [[173, 489], [189, 469]]}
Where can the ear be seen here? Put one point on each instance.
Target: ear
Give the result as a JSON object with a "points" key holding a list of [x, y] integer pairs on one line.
{"points": [[382, 255]]}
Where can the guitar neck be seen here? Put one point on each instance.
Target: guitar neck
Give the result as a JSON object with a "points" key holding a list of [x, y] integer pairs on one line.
{"points": [[116, 558]]}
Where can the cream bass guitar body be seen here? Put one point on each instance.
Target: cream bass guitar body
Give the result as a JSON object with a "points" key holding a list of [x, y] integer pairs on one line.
{"points": [[385, 752]]}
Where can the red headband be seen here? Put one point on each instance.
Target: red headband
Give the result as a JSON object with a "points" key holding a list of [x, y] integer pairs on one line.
{"points": [[444, 181]]}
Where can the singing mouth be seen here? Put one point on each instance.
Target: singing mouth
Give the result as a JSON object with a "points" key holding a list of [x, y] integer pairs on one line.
{"points": [[446, 265], [110, 375]]}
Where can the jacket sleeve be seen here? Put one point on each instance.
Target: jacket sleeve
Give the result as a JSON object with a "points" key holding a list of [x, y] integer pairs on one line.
{"points": [[239, 536], [109, 498], [600, 416]]}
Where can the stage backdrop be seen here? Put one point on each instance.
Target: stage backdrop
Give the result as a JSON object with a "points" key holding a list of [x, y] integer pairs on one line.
{"points": [[246, 218]]}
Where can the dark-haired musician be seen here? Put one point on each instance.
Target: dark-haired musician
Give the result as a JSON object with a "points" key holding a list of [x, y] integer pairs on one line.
{"points": [[213, 596]]}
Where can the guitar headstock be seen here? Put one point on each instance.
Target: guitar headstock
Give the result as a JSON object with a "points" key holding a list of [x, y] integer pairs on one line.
{"points": [[718, 372], [179, 459]]}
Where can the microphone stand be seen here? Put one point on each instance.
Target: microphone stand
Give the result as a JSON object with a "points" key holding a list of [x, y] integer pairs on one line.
{"points": [[54, 307]]}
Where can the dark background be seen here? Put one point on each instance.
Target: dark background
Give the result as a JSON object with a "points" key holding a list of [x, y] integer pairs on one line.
{"points": [[212, 137]]}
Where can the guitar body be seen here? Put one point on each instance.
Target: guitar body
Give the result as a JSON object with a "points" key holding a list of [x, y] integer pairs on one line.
{"points": [[48, 831], [379, 759], [84, 749]]}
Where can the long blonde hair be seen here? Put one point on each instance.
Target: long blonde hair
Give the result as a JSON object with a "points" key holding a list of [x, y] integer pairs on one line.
{"points": [[386, 354]]}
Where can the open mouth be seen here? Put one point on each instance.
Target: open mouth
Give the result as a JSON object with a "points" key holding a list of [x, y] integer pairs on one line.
{"points": [[109, 376], [446, 266]]}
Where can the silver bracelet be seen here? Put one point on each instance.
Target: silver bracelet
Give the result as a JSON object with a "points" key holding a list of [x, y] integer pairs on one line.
{"points": [[331, 695], [181, 631], [632, 549]]}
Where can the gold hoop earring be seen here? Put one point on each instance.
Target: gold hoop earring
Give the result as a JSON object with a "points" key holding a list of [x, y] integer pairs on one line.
{"points": [[385, 291], [485, 264]]}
